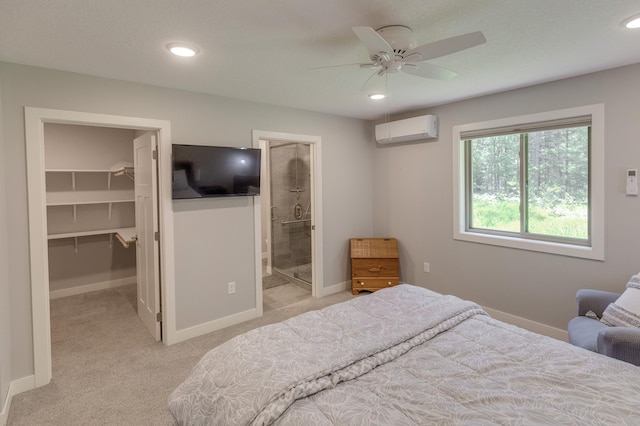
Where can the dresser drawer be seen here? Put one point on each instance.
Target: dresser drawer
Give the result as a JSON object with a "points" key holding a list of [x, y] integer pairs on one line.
{"points": [[372, 284], [363, 268]]}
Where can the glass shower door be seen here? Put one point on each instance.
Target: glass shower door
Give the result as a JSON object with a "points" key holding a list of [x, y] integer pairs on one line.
{"points": [[291, 210]]}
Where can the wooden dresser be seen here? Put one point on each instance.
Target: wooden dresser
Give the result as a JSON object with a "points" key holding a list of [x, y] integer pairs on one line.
{"points": [[374, 263]]}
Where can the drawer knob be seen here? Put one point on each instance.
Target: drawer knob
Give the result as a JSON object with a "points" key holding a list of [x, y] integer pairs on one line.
{"points": [[389, 283], [362, 283]]}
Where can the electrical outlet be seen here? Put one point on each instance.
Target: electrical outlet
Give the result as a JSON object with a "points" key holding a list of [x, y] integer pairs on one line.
{"points": [[426, 267], [232, 287]]}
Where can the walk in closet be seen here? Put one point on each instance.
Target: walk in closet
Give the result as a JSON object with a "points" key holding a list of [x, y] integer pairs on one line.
{"points": [[90, 208]]}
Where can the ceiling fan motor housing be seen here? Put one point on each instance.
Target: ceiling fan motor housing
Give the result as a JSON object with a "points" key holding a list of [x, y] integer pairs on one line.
{"points": [[399, 37]]}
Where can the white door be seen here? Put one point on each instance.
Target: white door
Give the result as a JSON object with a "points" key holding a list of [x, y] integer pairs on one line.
{"points": [[147, 252]]}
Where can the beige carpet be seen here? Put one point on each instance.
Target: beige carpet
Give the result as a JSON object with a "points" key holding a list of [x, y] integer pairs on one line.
{"points": [[107, 369]]}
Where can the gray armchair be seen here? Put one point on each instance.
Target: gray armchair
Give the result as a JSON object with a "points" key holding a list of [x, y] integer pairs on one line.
{"points": [[622, 343]]}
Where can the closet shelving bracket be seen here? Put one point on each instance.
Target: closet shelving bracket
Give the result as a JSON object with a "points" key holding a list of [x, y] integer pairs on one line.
{"points": [[123, 169]]}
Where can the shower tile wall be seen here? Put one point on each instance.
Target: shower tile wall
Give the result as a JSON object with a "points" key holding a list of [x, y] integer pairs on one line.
{"points": [[291, 242]]}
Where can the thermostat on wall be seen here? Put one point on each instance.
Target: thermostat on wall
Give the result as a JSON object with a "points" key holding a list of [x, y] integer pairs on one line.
{"points": [[632, 182]]}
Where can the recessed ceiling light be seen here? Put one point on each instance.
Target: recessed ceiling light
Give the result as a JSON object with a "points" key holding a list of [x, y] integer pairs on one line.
{"points": [[181, 49], [633, 22], [376, 96]]}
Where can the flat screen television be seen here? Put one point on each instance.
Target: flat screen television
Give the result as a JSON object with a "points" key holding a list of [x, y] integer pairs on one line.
{"points": [[215, 171]]}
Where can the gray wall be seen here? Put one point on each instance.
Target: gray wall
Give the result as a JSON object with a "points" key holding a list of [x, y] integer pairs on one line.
{"points": [[414, 203], [213, 238], [5, 301]]}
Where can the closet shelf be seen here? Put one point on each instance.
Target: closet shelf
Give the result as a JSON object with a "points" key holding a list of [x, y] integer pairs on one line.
{"points": [[127, 233], [78, 171], [126, 236], [69, 198]]}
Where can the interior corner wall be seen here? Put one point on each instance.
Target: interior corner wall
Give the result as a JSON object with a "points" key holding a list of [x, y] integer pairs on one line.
{"points": [[212, 246], [5, 300], [414, 202]]}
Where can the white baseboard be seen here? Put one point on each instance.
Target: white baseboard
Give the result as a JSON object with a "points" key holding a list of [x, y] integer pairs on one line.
{"points": [[530, 325], [88, 288], [209, 327], [201, 329], [15, 387], [4, 414], [333, 289]]}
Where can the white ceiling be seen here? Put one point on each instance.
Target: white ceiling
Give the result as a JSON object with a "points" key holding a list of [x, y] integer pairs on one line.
{"points": [[261, 50]]}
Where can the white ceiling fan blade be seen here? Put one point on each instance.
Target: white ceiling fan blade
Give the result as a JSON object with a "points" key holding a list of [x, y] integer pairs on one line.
{"points": [[361, 65], [446, 46], [427, 70], [374, 42]]}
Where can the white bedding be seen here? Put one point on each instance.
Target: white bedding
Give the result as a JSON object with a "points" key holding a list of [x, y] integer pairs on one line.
{"points": [[404, 355]]}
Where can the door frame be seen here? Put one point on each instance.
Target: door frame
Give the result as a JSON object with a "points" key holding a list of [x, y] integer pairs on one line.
{"points": [[260, 138], [35, 118]]}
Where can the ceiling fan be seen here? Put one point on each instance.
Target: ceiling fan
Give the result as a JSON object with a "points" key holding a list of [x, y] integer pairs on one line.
{"points": [[393, 48]]}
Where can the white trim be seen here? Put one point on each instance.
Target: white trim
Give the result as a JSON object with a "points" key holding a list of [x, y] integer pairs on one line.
{"points": [[257, 264], [265, 200], [597, 249], [316, 207], [528, 324], [34, 139], [6, 406], [333, 289], [15, 387], [88, 288], [215, 325]]}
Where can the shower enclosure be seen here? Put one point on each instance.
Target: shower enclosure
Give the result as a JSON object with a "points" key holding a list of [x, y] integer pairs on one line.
{"points": [[291, 210]]}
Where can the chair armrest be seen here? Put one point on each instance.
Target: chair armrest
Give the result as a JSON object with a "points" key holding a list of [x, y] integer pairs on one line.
{"points": [[594, 300], [622, 343]]}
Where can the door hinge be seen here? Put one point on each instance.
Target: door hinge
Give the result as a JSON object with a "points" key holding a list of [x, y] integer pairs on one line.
{"points": [[156, 236], [155, 154], [313, 227], [159, 317]]}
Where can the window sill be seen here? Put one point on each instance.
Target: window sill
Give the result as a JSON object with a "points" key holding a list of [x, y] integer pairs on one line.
{"points": [[595, 252]]}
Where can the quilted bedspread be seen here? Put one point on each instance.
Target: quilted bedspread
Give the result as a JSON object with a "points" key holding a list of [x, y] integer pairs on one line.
{"points": [[404, 356]]}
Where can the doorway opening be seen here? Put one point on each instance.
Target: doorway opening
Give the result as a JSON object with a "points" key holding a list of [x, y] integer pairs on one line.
{"points": [[77, 210], [291, 219], [290, 195]]}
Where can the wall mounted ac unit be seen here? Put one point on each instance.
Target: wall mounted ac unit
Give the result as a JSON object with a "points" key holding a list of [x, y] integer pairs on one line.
{"points": [[410, 129]]}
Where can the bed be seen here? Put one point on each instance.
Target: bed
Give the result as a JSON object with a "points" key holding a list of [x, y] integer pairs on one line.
{"points": [[404, 356]]}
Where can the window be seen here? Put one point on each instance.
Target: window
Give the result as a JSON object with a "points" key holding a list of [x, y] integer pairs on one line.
{"points": [[532, 182]]}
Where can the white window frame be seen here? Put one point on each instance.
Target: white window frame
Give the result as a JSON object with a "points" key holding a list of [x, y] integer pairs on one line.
{"points": [[594, 251]]}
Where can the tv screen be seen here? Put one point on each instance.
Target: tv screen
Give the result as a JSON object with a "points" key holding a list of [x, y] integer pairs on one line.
{"points": [[215, 171]]}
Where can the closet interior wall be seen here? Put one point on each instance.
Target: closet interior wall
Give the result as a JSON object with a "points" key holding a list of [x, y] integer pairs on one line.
{"points": [[86, 201]]}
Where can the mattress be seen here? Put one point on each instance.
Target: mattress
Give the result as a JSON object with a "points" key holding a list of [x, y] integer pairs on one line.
{"points": [[404, 356]]}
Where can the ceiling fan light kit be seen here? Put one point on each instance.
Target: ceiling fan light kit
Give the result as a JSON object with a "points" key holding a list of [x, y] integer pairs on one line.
{"points": [[632, 22], [376, 96], [181, 49]]}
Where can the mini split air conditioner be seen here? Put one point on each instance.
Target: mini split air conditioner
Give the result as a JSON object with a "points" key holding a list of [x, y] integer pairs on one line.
{"points": [[410, 129]]}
